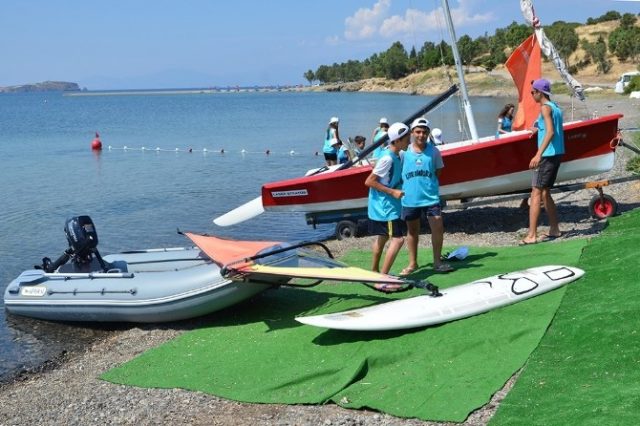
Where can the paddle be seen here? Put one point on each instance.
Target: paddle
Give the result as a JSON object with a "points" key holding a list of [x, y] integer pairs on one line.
{"points": [[37, 274], [255, 208]]}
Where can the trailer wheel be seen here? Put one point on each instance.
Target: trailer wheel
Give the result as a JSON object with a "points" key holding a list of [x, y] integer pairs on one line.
{"points": [[602, 207], [346, 229]]}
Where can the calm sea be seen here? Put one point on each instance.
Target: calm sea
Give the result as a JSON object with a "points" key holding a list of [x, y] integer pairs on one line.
{"points": [[138, 198]]}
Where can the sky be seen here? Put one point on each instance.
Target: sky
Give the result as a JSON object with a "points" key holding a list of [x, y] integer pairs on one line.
{"points": [[146, 44]]}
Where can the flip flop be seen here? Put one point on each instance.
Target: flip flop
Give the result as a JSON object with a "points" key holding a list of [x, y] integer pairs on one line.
{"points": [[443, 268], [546, 237], [389, 288], [527, 243], [406, 271]]}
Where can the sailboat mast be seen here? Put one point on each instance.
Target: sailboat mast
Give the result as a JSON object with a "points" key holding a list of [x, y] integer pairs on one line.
{"points": [[463, 87]]}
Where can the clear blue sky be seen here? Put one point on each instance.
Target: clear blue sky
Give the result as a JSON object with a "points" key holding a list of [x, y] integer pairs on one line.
{"points": [[124, 44]]}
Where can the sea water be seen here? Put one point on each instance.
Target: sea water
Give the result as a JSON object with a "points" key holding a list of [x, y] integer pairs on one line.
{"points": [[171, 176]]}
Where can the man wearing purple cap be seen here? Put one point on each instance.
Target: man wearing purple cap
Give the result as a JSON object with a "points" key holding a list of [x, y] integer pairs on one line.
{"points": [[545, 163]]}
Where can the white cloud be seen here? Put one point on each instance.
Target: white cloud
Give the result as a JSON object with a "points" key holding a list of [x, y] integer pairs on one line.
{"points": [[376, 22], [364, 23]]}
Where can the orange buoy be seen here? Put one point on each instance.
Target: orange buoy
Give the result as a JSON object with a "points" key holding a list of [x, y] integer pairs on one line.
{"points": [[96, 144]]}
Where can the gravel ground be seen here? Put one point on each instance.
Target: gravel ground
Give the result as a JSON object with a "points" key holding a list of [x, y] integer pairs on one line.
{"points": [[66, 390]]}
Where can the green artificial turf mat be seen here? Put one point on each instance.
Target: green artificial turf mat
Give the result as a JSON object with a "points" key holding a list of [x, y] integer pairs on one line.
{"points": [[257, 352], [586, 370]]}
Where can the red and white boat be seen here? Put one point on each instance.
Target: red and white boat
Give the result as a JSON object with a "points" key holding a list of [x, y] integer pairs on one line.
{"points": [[484, 167], [474, 168]]}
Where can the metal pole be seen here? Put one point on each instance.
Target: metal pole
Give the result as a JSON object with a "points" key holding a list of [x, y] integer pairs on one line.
{"points": [[463, 87]]}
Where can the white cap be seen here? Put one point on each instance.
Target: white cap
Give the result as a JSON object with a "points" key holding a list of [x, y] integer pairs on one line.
{"points": [[397, 130], [383, 120], [334, 120], [436, 134], [420, 122]]}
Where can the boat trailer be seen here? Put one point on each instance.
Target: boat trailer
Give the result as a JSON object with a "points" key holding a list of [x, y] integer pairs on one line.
{"points": [[352, 223]]}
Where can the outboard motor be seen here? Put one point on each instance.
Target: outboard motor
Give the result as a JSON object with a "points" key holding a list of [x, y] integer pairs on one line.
{"points": [[83, 245]]}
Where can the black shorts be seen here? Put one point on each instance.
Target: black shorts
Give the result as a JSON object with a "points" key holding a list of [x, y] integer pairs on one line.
{"points": [[393, 228], [331, 156], [545, 175], [412, 213]]}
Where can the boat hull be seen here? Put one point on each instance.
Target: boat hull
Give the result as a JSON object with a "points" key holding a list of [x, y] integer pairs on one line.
{"points": [[152, 286], [486, 167]]}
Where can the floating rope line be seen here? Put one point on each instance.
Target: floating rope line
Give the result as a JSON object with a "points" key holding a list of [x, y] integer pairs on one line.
{"points": [[221, 151]]}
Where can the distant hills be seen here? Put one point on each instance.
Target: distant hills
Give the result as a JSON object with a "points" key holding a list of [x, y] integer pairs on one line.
{"points": [[45, 86]]}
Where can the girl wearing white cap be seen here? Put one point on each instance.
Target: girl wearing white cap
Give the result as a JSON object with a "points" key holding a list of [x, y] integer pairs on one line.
{"points": [[331, 141], [381, 130]]}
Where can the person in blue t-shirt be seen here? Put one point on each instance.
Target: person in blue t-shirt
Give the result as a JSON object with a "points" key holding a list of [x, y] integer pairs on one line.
{"points": [[545, 163], [378, 132], [360, 142], [384, 207], [343, 153], [421, 168], [331, 139], [505, 120]]}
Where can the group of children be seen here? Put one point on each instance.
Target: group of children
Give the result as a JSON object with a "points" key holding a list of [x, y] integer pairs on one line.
{"points": [[404, 185], [334, 149]]}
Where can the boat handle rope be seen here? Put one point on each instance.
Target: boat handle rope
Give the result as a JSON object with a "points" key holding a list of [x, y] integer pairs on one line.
{"points": [[618, 141]]}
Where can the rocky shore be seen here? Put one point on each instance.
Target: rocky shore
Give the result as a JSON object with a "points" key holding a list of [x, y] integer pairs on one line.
{"points": [[45, 86], [68, 391]]}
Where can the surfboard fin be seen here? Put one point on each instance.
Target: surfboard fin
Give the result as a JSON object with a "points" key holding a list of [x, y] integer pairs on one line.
{"points": [[433, 289]]}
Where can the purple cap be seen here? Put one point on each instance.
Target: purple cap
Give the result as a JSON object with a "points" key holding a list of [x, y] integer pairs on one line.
{"points": [[542, 85]]}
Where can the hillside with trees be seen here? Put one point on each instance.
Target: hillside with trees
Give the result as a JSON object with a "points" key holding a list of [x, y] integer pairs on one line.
{"points": [[596, 51]]}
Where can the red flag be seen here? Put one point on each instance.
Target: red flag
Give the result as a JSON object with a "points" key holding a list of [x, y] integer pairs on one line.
{"points": [[525, 65]]}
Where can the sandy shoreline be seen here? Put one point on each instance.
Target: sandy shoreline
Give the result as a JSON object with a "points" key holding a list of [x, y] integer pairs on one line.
{"points": [[67, 391]]}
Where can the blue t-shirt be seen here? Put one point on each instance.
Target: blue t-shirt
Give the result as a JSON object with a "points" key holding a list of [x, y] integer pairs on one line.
{"points": [[329, 139], [419, 179], [379, 151], [342, 155], [556, 146], [383, 207], [505, 123]]}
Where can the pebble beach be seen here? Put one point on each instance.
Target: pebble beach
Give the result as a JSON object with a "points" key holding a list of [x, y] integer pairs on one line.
{"points": [[66, 390]]}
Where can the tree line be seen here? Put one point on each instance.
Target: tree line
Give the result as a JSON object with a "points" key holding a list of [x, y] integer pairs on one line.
{"points": [[489, 51]]}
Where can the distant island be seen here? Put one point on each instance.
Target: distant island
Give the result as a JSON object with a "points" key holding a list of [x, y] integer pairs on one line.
{"points": [[45, 86]]}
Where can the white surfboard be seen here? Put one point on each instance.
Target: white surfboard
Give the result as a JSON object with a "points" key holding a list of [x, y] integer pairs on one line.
{"points": [[456, 302]]}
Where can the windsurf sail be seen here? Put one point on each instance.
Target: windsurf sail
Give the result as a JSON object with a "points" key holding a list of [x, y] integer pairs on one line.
{"points": [[525, 65], [269, 258], [337, 272], [526, 6], [223, 251]]}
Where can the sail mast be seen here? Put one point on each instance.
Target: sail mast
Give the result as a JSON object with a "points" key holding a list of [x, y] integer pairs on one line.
{"points": [[463, 87]]}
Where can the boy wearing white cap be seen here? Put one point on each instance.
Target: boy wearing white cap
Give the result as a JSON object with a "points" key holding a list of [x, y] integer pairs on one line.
{"points": [[421, 168], [436, 136], [384, 207]]}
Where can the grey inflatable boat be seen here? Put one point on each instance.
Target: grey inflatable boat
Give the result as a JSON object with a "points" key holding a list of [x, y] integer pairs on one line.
{"points": [[169, 284]]}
